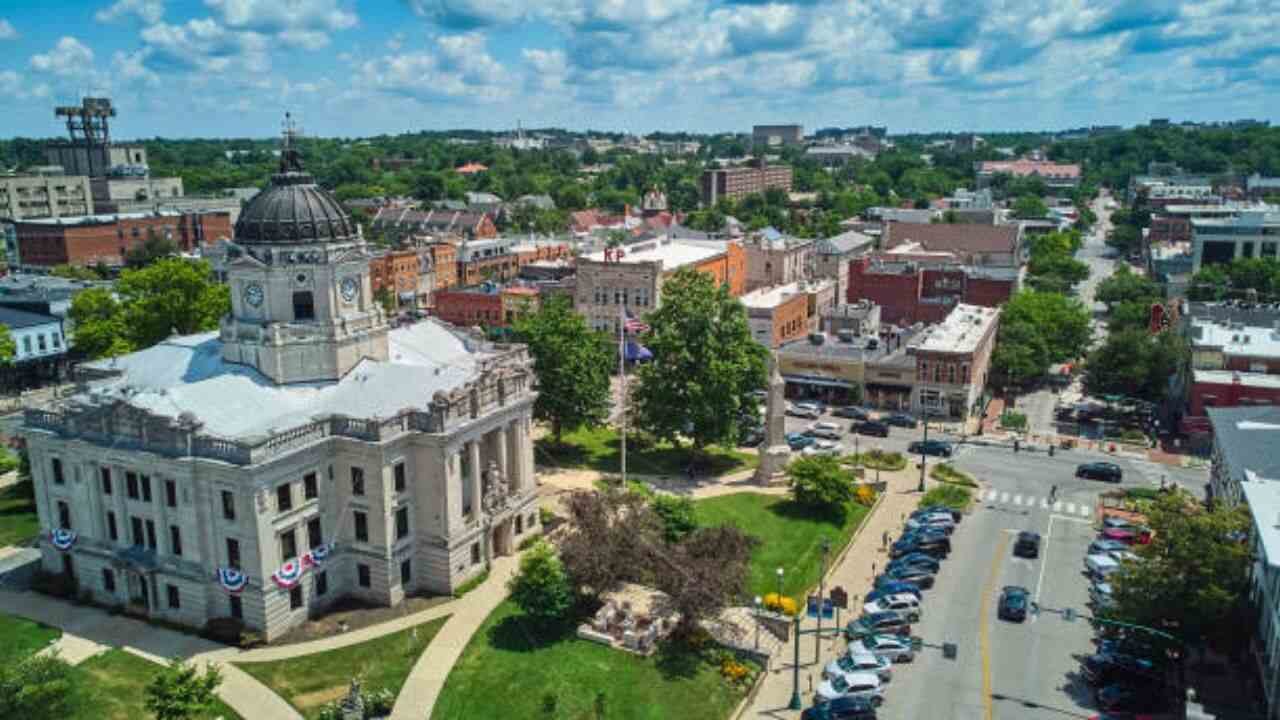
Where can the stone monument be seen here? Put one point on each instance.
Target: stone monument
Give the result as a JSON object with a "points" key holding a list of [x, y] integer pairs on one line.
{"points": [[353, 704], [774, 451]]}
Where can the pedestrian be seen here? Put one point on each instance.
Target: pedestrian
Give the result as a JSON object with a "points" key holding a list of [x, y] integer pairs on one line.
{"points": [[873, 568], [884, 539], [1053, 493]]}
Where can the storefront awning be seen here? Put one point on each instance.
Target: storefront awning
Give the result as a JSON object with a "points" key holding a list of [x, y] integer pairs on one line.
{"points": [[821, 381]]}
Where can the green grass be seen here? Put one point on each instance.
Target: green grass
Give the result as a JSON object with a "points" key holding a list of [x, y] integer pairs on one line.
{"points": [[601, 449], [1013, 420], [952, 496], [18, 520], [20, 637], [512, 670], [113, 687], [877, 460], [310, 681], [948, 474], [790, 537]]}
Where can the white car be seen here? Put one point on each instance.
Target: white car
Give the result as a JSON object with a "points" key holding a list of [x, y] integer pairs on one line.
{"points": [[827, 430], [942, 521], [859, 660], [823, 447], [804, 411], [860, 684], [905, 604], [890, 647], [1124, 555]]}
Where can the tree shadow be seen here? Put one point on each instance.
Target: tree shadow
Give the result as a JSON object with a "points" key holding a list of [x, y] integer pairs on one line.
{"points": [[517, 633], [677, 659], [793, 510]]}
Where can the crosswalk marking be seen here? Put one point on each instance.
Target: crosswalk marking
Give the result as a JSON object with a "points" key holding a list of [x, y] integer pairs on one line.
{"points": [[1044, 503], [1021, 500], [1004, 497], [1057, 506]]}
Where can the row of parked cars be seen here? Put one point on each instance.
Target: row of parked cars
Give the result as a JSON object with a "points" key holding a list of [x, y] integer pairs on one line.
{"points": [[1127, 671], [853, 684]]}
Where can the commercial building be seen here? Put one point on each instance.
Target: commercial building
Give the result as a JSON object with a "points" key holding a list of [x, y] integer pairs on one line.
{"points": [[776, 259], [909, 292], [1235, 357], [133, 192], [840, 368], [44, 195], [964, 243], [631, 277], [832, 256], [407, 274], [87, 240], [1172, 223], [1261, 188], [1262, 493], [783, 313], [739, 182], [838, 155], [1252, 233], [444, 259], [952, 358], [302, 456], [487, 305], [1244, 441], [1157, 195], [777, 135], [1056, 176], [40, 348], [860, 318]]}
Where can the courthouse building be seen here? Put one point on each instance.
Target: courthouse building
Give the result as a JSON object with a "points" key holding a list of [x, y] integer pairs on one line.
{"points": [[301, 454]]}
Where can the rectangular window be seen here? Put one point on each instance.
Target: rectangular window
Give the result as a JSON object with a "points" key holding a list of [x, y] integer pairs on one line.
{"points": [[310, 489], [108, 580], [138, 537], [237, 608], [175, 602], [475, 553], [288, 545], [151, 534], [40, 342], [170, 493], [357, 481], [362, 575], [26, 345], [398, 471], [322, 583], [58, 478], [228, 505], [175, 539], [146, 488], [314, 537], [131, 485], [64, 515], [233, 553], [112, 532], [284, 497], [295, 597], [106, 480], [402, 522], [406, 571], [57, 341], [362, 527]]}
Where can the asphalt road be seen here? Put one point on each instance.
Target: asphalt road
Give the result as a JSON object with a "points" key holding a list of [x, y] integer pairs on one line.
{"points": [[1029, 670]]}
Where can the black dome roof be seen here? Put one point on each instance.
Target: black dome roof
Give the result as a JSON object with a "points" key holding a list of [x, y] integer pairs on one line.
{"points": [[293, 210]]}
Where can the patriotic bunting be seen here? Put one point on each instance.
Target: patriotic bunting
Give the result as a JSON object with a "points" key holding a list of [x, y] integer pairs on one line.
{"points": [[289, 574], [232, 580], [63, 539]]}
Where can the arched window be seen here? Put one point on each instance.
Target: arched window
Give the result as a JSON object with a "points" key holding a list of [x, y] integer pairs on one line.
{"points": [[304, 306]]}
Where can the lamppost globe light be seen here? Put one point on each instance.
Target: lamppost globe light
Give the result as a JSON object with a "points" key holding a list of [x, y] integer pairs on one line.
{"points": [[759, 601]]}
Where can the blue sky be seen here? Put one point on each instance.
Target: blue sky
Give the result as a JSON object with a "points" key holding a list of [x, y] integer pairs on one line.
{"points": [[230, 68]]}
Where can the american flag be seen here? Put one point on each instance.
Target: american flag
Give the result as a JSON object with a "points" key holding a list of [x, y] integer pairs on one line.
{"points": [[632, 324]]}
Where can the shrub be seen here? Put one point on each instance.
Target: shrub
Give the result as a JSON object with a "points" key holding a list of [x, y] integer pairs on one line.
{"points": [[471, 584], [528, 542], [952, 496], [882, 460], [1013, 420], [545, 516], [819, 482], [541, 588], [772, 601], [677, 515], [865, 495], [948, 474], [788, 607]]}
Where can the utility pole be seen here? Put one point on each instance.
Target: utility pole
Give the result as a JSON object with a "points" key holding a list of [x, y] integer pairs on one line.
{"points": [[923, 447], [822, 587]]}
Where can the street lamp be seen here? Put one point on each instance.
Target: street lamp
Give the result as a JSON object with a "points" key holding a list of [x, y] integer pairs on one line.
{"points": [[781, 572], [822, 588], [923, 447], [759, 600]]}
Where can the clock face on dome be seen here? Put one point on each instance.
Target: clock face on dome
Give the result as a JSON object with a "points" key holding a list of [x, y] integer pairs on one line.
{"points": [[349, 288], [253, 294]]}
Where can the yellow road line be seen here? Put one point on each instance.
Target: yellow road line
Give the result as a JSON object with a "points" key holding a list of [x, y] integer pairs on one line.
{"points": [[984, 621]]}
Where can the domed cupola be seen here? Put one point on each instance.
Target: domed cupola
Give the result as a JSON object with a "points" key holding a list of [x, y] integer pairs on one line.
{"points": [[294, 209]]}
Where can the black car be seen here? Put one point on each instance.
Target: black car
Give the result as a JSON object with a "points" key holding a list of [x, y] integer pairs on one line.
{"points": [[853, 412], [870, 427], [901, 420], [1111, 668], [916, 559], [917, 576], [849, 707], [939, 448], [1014, 601], [1027, 545], [1131, 698], [1105, 471], [936, 544]]}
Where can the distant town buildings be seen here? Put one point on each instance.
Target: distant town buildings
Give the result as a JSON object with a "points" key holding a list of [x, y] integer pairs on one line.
{"points": [[738, 182], [45, 194], [777, 135], [783, 313], [1056, 176], [911, 291], [486, 305], [1247, 234], [774, 258], [40, 348], [92, 239], [964, 243], [831, 257], [952, 358], [401, 223]]}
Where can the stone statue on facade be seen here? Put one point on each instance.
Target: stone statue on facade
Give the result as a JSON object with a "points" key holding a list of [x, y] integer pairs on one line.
{"points": [[774, 451], [494, 490]]}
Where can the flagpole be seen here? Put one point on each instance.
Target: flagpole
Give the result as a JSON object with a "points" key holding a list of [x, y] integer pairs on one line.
{"points": [[622, 373]]}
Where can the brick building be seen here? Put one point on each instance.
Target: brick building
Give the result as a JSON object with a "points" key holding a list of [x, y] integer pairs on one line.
{"points": [[778, 314], [964, 243], [952, 358], [91, 239], [485, 305], [444, 259], [911, 292], [1235, 356], [631, 277], [774, 258], [737, 182], [1056, 176], [408, 275], [437, 223]]}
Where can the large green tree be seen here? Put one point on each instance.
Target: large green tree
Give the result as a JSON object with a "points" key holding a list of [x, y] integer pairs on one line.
{"points": [[1135, 363], [1029, 207], [821, 483], [1127, 286], [181, 692], [8, 347], [541, 587], [39, 687], [572, 363], [98, 328], [1021, 354], [705, 364]]}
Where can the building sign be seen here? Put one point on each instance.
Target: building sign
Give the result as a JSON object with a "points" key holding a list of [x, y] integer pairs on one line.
{"points": [[849, 371]]}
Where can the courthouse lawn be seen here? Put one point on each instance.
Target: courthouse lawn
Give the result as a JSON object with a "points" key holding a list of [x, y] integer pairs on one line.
{"points": [[20, 637], [18, 521], [310, 681], [112, 686], [601, 449], [790, 537], [510, 669]]}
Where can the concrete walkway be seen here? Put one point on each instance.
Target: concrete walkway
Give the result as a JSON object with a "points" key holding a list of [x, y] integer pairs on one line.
{"points": [[418, 696]]}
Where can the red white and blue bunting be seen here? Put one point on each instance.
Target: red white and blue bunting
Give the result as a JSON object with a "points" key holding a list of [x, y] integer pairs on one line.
{"points": [[63, 539], [289, 574], [232, 580], [317, 556]]}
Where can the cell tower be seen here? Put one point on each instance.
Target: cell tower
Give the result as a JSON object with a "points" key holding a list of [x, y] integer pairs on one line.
{"points": [[88, 127]]}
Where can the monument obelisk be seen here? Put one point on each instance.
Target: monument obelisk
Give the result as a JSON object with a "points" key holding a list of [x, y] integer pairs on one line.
{"points": [[774, 451]]}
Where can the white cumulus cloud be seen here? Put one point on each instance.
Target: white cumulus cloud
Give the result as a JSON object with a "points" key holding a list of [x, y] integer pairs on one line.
{"points": [[148, 11]]}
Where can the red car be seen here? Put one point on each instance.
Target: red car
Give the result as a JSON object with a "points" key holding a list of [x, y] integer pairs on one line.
{"points": [[1128, 536]]}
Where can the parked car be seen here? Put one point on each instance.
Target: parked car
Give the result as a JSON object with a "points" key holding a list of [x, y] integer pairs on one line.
{"points": [[908, 606], [916, 559], [1112, 521], [824, 447], [1128, 536], [1100, 567], [955, 514], [878, 623], [1111, 668], [804, 410], [849, 707], [853, 412], [893, 587], [1014, 603], [1103, 546], [939, 448], [894, 648], [859, 659], [1027, 545], [1130, 698], [1106, 471], [870, 427], [917, 576], [863, 685], [934, 521], [799, 441], [901, 420], [827, 430], [926, 540]]}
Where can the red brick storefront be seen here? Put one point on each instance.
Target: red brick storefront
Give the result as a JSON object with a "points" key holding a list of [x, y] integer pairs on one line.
{"points": [[107, 238]]}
